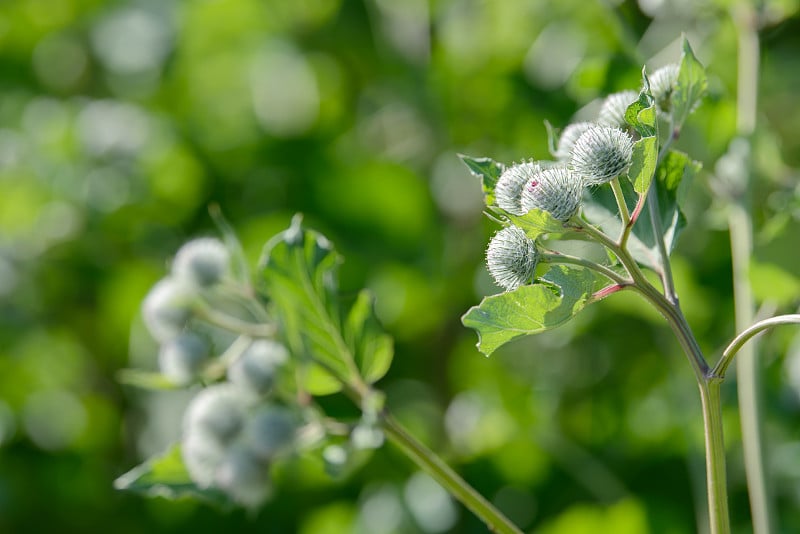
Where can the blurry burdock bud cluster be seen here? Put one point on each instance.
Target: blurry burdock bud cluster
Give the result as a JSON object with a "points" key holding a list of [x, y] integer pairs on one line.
{"points": [[218, 338], [587, 154]]}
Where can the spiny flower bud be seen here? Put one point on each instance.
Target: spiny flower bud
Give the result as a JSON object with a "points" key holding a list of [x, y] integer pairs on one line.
{"points": [[662, 83], [612, 113], [511, 258], [555, 190], [167, 308], [568, 137], [508, 190], [269, 430], [182, 358], [202, 262], [256, 368], [243, 477], [216, 413], [601, 154]]}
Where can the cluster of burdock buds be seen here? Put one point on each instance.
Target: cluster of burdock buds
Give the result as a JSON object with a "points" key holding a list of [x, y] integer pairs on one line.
{"points": [[215, 336], [235, 428], [587, 154]]}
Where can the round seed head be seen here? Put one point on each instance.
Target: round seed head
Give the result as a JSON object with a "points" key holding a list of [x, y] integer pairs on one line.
{"points": [[508, 190], [511, 258], [167, 308], [568, 137], [256, 368], [601, 154], [202, 262], [556, 190], [612, 113], [181, 359], [662, 83], [217, 413]]}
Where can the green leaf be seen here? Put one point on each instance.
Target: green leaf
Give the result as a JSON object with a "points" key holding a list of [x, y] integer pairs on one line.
{"points": [[771, 283], [643, 163], [691, 86], [298, 274], [641, 114], [373, 349], [673, 177], [145, 379], [488, 171], [560, 294], [536, 222], [166, 476]]}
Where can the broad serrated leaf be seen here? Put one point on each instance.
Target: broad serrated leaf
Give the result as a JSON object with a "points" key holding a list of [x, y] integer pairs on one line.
{"points": [[673, 177], [691, 86], [555, 298], [373, 349], [145, 379], [488, 170], [166, 476], [643, 163], [298, 274], [536, 222]]}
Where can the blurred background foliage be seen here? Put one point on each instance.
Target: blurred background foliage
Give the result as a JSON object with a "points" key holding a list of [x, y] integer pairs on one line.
{"points": [[121, 121]]}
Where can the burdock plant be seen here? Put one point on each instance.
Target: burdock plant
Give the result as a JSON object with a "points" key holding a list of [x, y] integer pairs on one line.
{"points": [[259, 350]]}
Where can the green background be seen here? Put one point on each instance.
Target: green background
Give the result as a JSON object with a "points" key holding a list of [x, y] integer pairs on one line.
{"points": [[120, 122]]}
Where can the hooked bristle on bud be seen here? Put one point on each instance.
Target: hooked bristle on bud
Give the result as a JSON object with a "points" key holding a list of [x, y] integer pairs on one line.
{"points": [[556, 190], [601, 154], [612, 113], [508, 190], [662, 83], [568, 137], [511, 258], [256, 368], [202, 262], [217, 414]]}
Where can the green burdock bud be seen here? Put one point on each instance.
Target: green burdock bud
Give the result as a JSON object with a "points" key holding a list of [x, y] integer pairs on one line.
{"points": [[601, 154], [366, 436], [612, 113], [568, 137], [511, 258], [508, 190], [201, 456], [181, 359], [167, 308], [662, 83], [270, 429], [202, 262], [217, 413], [256, 368], [243, 477], [556, 190]]}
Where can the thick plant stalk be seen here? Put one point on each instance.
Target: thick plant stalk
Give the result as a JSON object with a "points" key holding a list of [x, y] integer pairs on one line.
{"points": [[741, 235]]}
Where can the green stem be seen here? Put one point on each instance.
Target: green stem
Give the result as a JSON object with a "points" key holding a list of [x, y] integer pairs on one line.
{"points": [[716, 483], [741, 235], [449, 479], [623, 209], [557, 257], [234, 324], [745, 336]]}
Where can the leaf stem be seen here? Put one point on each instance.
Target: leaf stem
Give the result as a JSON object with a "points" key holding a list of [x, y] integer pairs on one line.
{"points": [[234, 324], [623, 210], [557, 257], [447, 477], [745, 336], [658, 234]]}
